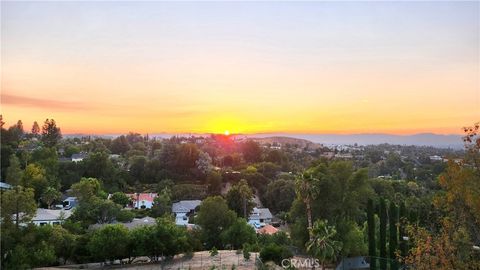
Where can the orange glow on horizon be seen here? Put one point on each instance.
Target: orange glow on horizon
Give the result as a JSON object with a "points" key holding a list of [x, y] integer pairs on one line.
{"points": [[179, 68]]}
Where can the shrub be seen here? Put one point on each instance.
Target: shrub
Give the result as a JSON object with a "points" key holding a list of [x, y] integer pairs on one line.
{"points": [[275, 253], [213, 252]]}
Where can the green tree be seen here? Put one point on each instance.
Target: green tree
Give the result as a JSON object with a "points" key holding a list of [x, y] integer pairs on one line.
{"points": [[110, 242], [402, 230], [214, 217], [238, 234], [120, 145], [372, 250], [306, 189], [383, 234], [98, 165], [280, 195], [214, 182], [14, 172], [125, 215], [32, 250], [239, 198], [50, 195], [251, 151], [120, 198], [137, 168], [322, 244], [86, 189], [18, 204], [172, 239], [35, 129], [51, 134], [275, 253], [63, 242], [96, 210], [47, 158], [162, 204], [392, 243], [70, 150], [35, 177], [162, 239], [353, 239], [187, 156]]}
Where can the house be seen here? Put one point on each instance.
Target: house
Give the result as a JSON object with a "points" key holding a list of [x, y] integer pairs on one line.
{"points": [[64, 159], [50, 216], [70, 202], [142, 200], [353, 263], [135, 223], [260, 217], [344, 156], [183, 209], [267, 229], [4, 186], [79, 157]]}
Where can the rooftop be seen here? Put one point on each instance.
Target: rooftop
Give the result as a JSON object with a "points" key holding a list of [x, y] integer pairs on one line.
{"points": [[260, 213], [267, 229], [51, 214], [149, 197], [4, 185], [185, 206]]}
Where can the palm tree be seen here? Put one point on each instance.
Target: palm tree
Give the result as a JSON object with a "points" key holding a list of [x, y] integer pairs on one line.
{"points": [[49, 196], [306, 188], [322, 245]]}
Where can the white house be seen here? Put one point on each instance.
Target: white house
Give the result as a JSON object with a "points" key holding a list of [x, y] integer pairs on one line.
{"points": [[4, 186], [260, 217], [50, 216], [142, 200], [70, 202], [183, 209], [79, 157]]}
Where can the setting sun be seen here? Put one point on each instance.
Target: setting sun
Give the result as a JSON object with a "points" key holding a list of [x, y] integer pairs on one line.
{"points": [[227, 132]]}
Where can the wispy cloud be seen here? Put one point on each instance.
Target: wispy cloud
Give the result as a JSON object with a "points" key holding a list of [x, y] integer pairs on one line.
{"points": [[51, 104]]}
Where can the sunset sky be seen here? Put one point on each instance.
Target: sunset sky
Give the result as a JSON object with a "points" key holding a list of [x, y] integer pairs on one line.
{"points": [[248, 67]]}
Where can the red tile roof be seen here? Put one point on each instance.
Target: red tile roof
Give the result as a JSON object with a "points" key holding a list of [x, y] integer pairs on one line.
{"points": [[149, 197], [267, 229]]}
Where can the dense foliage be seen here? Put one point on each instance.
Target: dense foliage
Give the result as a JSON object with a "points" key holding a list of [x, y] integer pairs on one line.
{"points": [[393, 203]]}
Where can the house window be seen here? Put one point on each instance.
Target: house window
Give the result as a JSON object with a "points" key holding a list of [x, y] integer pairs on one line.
{"points": [[56, 223], [43, 223]]}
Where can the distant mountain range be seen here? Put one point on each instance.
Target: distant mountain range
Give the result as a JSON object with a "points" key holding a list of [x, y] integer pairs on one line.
{"points": [[283, 140], [425, 139]]}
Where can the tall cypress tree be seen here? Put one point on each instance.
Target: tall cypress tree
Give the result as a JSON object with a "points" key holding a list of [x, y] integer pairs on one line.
{"points": [[383, 234], [371, 234], [401, 230], [392, 243]]}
